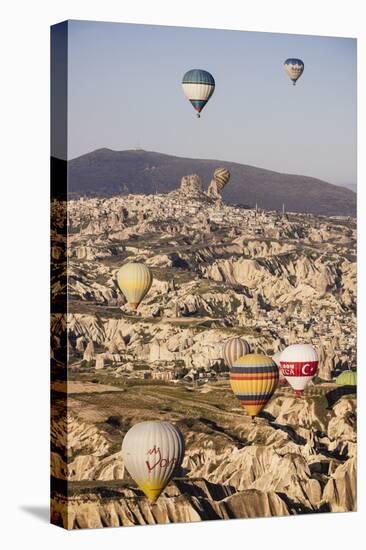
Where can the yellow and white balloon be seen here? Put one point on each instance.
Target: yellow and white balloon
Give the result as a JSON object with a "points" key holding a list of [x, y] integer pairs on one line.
{"points": [[151, 452], [134, 280]]}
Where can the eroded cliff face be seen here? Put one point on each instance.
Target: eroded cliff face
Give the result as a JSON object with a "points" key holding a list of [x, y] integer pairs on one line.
{"points": [[340, 491], [219, 271], [285, 276], [123, 344], [274, 279], [298, 457], [180, 506]]}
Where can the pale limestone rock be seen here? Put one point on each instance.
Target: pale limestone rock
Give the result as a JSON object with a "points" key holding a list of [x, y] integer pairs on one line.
{"points": [[340, 491], [99, 362], [89, 353]]}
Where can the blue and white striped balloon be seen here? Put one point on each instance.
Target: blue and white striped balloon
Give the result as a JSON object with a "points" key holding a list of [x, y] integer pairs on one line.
{"points": [[198, 87]]}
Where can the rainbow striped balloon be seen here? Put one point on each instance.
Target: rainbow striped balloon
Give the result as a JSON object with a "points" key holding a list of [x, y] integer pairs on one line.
{"points": [[221, 177], [253, 379], [233, 349], [134, 280]]}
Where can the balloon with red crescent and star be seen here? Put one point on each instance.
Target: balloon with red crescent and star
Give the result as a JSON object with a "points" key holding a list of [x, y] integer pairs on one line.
{"points": [[299, 364]]}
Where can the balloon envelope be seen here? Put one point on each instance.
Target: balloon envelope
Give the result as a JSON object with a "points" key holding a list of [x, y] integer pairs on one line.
{"points": [[198, 86], [151, 452], [294, 68], [221, 177], [347, 378], [253, 379], [134, 279], [233, 349], [299, 364]]}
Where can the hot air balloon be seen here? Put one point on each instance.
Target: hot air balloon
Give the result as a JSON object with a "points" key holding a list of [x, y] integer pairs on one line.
{"points": [[151, 452], [221, 177], [299, 364], [198, 87], [276, 358], [347, 378], [253, 379], [233, 349], [294, 68], [134, 280]]}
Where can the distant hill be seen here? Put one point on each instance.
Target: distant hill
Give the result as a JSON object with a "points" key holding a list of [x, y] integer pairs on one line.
{"points": [[351, 186], [105, 173]]}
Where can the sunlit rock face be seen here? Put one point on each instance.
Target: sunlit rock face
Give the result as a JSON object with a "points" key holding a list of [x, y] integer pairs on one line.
{"points": [[214, 192], [340, 491], [191, 186]]}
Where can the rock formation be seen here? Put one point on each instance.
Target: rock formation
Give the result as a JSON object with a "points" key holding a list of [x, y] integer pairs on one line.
{"points": [[218, 272]]}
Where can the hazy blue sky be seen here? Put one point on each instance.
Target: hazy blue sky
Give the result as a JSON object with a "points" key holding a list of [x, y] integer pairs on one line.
{"points": [[125, 92]]}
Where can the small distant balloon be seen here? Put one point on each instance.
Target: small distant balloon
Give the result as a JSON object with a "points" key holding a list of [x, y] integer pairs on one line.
{"points": [[347, 378], [221, 177], [299, 364], [151, 452], [294, 68], [253, 379], [198, 87], [134, 279], [233, 349]]}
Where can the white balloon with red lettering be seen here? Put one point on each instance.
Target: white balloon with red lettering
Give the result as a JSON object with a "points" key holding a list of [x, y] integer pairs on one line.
{"points": [[277, 359], [151, 452], [299, 364]]}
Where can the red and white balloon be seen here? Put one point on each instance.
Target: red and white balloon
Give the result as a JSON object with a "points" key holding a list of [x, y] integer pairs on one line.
{"points": [[299, 364]]}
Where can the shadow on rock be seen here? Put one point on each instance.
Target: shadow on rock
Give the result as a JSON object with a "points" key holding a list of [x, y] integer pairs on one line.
{"points": [[295, 508], [334, 395], [240, 443], [296, 438]]}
